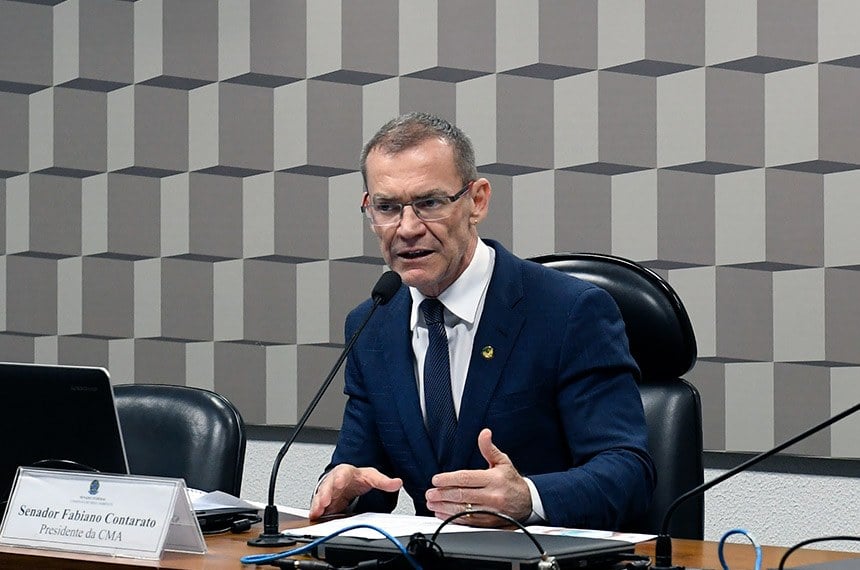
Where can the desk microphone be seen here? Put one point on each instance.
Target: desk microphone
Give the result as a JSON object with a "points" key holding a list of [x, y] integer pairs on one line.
{"points": [[383, 291], [663, 550]]}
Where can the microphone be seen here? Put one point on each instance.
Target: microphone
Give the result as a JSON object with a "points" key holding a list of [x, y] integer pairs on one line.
{"points": [[383, 291], [663, 549]]}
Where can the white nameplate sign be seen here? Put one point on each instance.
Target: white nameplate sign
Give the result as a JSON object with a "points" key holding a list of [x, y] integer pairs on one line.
{"points": [[94, 513]]}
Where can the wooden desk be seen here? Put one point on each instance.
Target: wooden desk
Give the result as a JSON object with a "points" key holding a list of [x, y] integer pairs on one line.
{"points": [[225, 550], [703, 554]]}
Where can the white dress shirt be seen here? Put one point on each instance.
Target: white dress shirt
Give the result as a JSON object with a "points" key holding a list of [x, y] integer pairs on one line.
{"points": [[464, 303]]}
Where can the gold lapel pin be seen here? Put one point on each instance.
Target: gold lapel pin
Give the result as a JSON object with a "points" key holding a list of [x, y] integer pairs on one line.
{"points": [[487, 352]]}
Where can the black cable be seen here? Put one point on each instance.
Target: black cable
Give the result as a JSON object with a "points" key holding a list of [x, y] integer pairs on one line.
{"points": [[241, 524], [633, 560], [422, 548], [543, 554], [803, 543]]}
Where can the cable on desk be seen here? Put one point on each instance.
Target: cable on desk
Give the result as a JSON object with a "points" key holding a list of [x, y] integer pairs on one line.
{"points": [[803, 543], [241, 524], [547, 562], [267, 558], [750, 537]]}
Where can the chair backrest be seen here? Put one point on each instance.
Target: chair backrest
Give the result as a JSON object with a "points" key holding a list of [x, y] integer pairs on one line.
{"points": [[664, 346], [180, 431]]}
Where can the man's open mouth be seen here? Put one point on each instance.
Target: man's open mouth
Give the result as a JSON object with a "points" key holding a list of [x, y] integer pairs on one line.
{"points": [[415, 253]]}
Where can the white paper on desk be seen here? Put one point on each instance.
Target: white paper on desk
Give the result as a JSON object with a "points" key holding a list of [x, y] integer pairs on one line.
{"points": [[588, 533], [395, 525], [203, 501], [296, 512]]}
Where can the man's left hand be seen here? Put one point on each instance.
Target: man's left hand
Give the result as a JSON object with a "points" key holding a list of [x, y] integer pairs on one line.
{"points": [[498, 488]]}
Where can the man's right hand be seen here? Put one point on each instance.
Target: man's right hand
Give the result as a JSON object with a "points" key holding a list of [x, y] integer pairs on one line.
{"points": [[343, 484]]}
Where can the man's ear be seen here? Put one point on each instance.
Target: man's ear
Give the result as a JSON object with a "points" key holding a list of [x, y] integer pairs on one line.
{"points": [[481, 192]]}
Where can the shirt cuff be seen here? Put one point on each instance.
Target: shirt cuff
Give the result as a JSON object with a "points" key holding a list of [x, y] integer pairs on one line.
{"points": [[538, 515]]}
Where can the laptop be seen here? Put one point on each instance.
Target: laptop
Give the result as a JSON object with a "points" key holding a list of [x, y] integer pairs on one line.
{"points": [[57, 417], [484, 550]]}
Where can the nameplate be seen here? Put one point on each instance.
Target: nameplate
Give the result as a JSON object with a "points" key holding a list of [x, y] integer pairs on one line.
{"points": [[94, 513]]}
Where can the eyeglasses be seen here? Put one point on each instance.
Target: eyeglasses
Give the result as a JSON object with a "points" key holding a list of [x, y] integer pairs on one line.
{"points": [[428, 209]]}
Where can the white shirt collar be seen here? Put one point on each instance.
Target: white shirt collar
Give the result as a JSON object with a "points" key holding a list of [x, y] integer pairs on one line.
{"points": [[463, 297]]}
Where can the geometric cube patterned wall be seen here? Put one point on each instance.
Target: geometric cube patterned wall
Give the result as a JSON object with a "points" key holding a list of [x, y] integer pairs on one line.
{"points": [[179, 185]]}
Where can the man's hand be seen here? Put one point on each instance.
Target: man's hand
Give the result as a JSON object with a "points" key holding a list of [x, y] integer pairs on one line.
{"points": [[498, 488], [343, 484]]}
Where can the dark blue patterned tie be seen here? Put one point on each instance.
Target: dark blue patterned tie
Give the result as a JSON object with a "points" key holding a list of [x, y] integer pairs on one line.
{"points": [[438, 401]]}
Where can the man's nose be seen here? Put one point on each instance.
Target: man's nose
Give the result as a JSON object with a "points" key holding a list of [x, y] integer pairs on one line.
{"points": [[410, 223]]}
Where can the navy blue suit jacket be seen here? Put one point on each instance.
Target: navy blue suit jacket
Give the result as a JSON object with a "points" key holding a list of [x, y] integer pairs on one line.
{"points": [[559, 394]]}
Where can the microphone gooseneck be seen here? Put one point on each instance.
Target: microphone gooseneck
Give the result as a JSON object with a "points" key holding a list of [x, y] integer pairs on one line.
{"points": [[386, 287], [663, 549]]}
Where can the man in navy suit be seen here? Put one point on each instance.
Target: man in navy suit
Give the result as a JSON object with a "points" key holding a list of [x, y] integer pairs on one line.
{"points": [[547, 422]]}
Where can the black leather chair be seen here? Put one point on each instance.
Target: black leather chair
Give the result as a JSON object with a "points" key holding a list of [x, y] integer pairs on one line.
{"points": [[663, 344], [180, 431]]}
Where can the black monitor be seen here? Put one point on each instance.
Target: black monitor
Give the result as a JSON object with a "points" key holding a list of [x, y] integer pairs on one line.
{"points": [[58, 417]]}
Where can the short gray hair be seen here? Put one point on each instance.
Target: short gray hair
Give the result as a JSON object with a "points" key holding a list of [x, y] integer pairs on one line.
{"points": [[412, 129]]}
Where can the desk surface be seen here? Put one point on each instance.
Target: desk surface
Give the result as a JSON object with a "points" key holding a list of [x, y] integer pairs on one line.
{"points": [[226, 549]]}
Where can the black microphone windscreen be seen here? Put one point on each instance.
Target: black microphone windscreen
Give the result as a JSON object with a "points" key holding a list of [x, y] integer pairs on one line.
{"points": [[386, 287]]}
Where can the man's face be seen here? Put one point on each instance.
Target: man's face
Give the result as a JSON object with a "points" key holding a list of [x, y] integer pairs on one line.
{"points": [[428, 255]]}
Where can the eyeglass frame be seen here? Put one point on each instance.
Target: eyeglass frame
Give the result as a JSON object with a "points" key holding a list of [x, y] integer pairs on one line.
{"points": [[456, 196]]}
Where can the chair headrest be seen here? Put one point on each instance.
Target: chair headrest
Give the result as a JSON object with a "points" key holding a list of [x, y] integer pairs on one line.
{"points": [[658, 327]]}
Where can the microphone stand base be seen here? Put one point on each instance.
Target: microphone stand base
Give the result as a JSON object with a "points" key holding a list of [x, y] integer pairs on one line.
{"points": [[663, 553], [269, 540], [271, 536]]}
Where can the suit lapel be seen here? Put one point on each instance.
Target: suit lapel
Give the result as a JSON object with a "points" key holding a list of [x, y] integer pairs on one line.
{"points": [[497, 331]]}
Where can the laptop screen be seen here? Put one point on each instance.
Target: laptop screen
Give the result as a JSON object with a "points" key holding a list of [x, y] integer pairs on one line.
{"points": [[57, 416]]}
